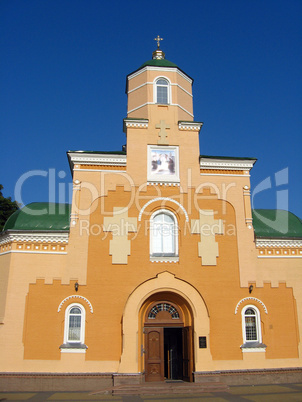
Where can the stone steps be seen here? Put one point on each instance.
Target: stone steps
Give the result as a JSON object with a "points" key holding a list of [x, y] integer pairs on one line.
{"points": [[164, 388]]}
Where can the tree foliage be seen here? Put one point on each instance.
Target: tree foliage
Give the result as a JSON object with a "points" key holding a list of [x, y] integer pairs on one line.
{"points": [[7, 208]]}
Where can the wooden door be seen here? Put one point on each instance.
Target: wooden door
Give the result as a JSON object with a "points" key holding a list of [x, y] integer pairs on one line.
{"points": [[187, 353], [154, 354]]}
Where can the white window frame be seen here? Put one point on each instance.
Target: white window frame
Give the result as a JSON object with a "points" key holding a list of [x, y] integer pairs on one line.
{"points": [[157, 256], [169, 97], [258, 324], [166, 178], [66, 327]]}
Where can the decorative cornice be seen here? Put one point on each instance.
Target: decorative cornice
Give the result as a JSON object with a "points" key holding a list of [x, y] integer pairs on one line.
{"points": [[136, 123], [157, 68], [278, 243], [97, 159], [189, 125], [75, 297], [39, 237], [253, 299], [229, 164], [163, 183], [164, 259]]}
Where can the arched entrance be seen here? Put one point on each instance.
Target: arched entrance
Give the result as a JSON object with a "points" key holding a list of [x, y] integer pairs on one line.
{"points": [[167, 338], [195, 315]]}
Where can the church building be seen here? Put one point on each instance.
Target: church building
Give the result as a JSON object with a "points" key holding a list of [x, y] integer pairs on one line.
{"points": [[158, 270]]}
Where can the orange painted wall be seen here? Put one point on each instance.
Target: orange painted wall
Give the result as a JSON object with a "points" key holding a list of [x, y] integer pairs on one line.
{"points": [[109, 285]]}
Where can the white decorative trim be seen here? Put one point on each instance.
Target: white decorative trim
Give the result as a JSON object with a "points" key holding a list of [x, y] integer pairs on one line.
{"points": [[140, 86], [76, 297], [154, 68], [156, 183], [225, 174], [151, 83], [182, 108], [279, 256], [35, 252], [140, 106], [97, 159], [246, 350], [226, 164], [253, 299], [278, 243], [73, 350], [136, 123], [153, 103], [180, 87], [191, 126], [100, 170], [162, 199], [38, 237], [164, 259]]}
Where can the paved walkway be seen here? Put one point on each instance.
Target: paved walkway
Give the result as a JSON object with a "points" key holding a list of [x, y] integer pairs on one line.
{"points": [[257, 393]]}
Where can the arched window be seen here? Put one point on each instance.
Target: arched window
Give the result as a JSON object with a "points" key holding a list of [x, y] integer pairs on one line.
{"points": [[164, 234], [162, 91], [74, 324], [251, 325], [163, 307]]}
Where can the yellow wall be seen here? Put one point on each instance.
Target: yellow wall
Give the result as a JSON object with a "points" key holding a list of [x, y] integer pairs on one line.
{"points": [[34, 285]]}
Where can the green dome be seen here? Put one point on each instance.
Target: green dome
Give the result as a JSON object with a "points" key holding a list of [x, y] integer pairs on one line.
{"points": [[158, 63], [40, 216], [276, 223]]}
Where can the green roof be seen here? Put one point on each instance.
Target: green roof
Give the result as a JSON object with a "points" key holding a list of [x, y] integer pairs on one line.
{"points": [[276, 223], [42, 216], [158, 63]]}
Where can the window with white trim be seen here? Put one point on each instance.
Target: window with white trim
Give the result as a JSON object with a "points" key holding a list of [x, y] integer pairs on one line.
{"points": [[74, 329], [251, 324], [163, 234], [162, 91]]}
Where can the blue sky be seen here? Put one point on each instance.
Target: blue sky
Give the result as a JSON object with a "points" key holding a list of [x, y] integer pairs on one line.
{"points": [[63, 71]]}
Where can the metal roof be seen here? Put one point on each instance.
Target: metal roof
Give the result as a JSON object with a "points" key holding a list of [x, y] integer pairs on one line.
{"points": [[40, 216]]}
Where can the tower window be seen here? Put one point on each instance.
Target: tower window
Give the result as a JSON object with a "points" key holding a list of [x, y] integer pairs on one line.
{"points": [[162, 91]]}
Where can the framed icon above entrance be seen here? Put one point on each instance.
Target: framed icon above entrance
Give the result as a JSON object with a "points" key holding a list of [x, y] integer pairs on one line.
{"points": [[163, 163]]}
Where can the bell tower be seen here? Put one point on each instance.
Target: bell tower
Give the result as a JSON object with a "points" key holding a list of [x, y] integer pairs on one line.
{"points": [[159, 87], [160, 120]]}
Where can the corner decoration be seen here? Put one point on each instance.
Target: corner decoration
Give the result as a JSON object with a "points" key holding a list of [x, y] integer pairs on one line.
{"points": [[163, 163], [120, 225], [207, 227]]}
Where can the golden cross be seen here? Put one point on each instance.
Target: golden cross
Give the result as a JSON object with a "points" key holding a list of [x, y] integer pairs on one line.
{"points": [[158, 39]]}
